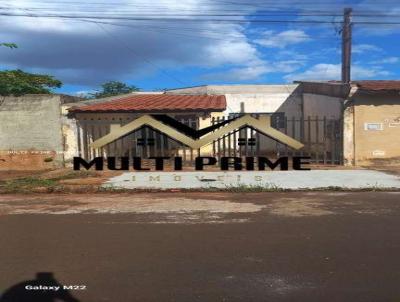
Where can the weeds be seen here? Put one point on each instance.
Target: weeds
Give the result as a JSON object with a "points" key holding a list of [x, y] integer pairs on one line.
{"points": [[39, 184], [26, 184], [74, 174], [242, 188]]}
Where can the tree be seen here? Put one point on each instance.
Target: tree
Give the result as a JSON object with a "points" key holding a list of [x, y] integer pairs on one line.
{"points": [[113, 88], [9, 45], [18, 82]]}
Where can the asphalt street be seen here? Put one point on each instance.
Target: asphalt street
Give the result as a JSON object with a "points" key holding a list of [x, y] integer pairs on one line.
{"points": [[315, 246]]}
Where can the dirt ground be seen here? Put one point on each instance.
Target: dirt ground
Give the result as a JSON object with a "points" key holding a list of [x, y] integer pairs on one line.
{"points": [[47, 181], [206, 247], [190, 204], [13, 174]]}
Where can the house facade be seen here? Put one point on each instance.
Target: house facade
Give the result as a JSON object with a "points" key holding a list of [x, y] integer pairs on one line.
{"points": [[307, 118], [372, 123], [370, 119]]}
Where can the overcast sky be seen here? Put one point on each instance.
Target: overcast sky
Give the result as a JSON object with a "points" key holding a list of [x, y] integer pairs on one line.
{"points": [[155, 54]]}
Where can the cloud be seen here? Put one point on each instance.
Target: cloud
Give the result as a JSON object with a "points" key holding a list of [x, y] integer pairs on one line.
{"points": [[293, 55], [362, 48], [253, 72], [84, 93], [272, 39], [324, 72], [388, 60], [231, 51], [390, 11], [87, 54], [238, 74]]}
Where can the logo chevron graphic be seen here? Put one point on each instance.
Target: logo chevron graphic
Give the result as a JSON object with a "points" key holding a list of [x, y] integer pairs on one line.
{"points": [[196, 139]]}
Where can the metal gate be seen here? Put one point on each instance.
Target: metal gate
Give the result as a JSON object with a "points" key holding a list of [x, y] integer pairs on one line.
{"points": [[321, 136], [145, 142], [322, 139]]}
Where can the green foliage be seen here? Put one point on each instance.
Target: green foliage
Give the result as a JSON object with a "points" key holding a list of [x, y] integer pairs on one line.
{"points": [[9, 45], [17, 82], [25, 185], [113, 88]]}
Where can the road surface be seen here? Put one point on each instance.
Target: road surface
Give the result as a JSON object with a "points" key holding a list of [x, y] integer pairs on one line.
{"points": [[311, 246]]}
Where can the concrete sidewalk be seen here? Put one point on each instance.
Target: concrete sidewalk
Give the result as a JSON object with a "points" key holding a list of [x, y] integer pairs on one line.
{"points": [[294, 180]]}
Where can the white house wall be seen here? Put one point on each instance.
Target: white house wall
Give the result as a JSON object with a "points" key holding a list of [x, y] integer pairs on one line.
{"points": [[264, 102], [255, 98]]}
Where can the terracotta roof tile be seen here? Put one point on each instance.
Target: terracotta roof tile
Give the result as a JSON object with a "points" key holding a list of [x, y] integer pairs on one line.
{"points": [[378, 85], [157, 102]]}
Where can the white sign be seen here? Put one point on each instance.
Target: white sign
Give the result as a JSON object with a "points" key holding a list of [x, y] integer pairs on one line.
{"points": [[373, 126]]}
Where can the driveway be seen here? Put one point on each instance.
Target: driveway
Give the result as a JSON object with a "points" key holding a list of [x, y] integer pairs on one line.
{"points": [[292, 180]]}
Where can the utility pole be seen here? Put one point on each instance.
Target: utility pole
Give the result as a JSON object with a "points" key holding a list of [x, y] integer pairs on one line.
{"points": [[346, 45]]}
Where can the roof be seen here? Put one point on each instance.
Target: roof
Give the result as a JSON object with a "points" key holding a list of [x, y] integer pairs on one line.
{"points": [[157, 103], [378, 85]]}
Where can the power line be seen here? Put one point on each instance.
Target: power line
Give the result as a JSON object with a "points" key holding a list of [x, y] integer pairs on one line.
{"points": [[194, 33], [163, 13], [139, 56], [196, 20]]}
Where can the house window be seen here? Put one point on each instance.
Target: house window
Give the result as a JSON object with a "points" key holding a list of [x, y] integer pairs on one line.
{"points": [[373, 126]]}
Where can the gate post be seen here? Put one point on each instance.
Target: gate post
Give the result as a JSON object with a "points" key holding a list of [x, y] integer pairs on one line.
{"points": [[348, 136]]}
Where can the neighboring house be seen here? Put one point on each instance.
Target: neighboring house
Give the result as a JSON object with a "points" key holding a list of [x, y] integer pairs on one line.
{"points": [[371, 119], [372, 123], [34, 131]]}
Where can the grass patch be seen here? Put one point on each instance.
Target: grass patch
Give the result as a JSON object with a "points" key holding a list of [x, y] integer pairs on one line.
{"points": [[41, 184], [74, 174], [26, 184], [242, 188]]}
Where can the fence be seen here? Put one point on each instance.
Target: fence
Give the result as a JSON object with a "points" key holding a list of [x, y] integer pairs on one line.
{"points": [[322, 139], [143, 143]]}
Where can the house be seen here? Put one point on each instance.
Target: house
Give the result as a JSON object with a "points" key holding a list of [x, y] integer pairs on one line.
{"points": [[97, 119], [296, 110], [371, 119], [303, 116], [288, 99]]}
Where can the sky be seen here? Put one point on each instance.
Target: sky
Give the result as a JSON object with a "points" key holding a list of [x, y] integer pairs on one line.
{"points": [[229, 42]]}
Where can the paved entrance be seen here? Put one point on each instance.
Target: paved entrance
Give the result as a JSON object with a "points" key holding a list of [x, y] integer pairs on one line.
{"points": [[344, 179]]}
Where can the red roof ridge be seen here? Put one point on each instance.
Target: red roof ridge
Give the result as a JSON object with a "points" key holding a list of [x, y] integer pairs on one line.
{"points": [[378, 85], [157, 103]]}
